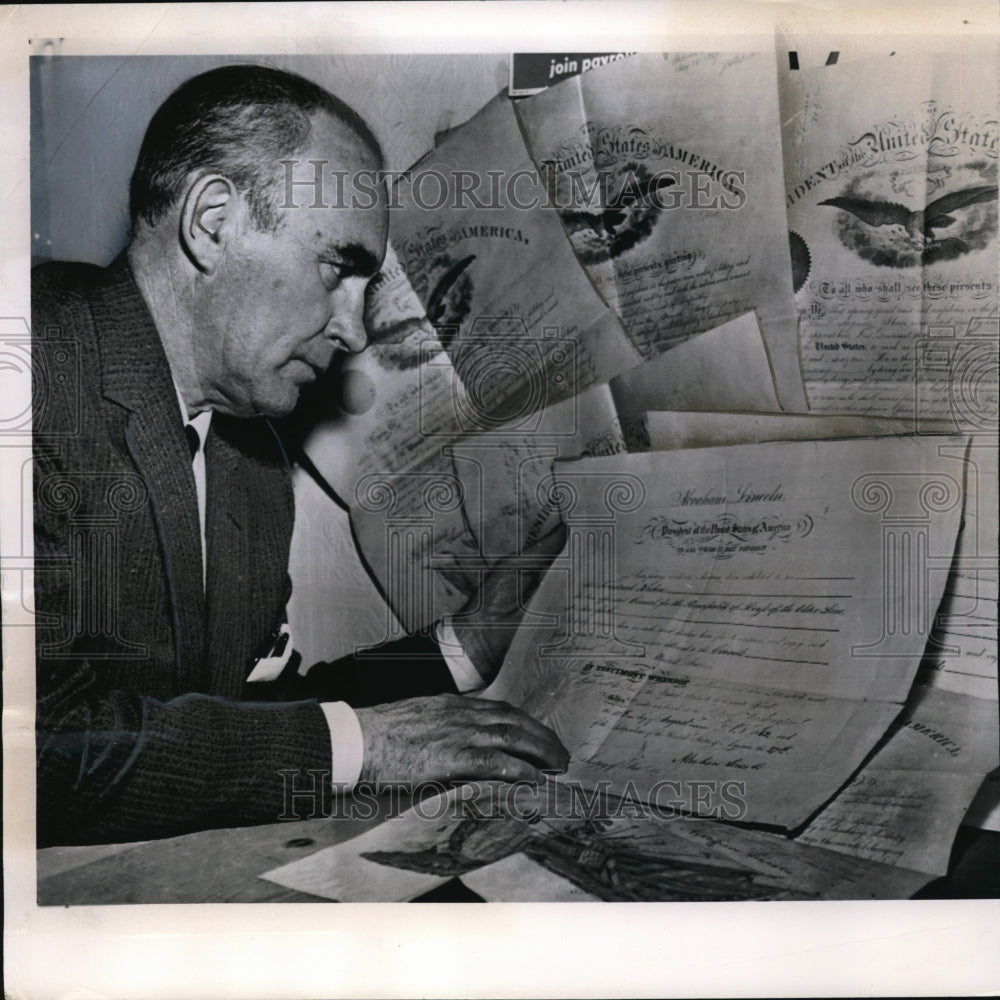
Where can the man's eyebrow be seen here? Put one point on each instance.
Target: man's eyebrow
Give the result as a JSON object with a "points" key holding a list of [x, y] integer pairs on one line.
{"points": [[360, 259]]}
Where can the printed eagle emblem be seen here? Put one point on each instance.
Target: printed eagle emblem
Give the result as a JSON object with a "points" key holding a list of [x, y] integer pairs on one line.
{"points": [[889, 234], [919, 224], [627, 219]]}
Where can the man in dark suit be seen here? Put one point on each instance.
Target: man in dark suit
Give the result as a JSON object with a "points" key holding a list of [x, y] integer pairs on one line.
{"points": [[163, 506]]}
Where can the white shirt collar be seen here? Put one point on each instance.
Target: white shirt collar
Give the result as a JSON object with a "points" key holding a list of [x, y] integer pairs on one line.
{"points": [[200, 421]]}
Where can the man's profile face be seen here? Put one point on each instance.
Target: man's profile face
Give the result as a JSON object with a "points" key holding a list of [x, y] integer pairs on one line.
{"points": [[281, 303]]}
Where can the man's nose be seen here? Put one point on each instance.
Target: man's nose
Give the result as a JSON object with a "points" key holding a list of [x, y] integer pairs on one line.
{"points": [[347, 326]]}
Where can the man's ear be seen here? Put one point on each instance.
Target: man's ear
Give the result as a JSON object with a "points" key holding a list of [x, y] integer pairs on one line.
{"points": [[209, 218]]}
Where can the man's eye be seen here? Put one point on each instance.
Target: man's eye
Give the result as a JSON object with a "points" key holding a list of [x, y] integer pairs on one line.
{"points": [[331, 274]]}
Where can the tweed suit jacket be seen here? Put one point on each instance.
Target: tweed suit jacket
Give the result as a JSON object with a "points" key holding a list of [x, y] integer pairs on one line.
{"points": [[146, 725]]}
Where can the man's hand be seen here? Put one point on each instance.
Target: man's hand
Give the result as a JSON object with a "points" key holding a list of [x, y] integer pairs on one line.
{"points": [[488, 621], [448, 737]]}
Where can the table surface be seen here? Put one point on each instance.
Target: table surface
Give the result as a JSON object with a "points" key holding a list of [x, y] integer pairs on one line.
{"points": [[225, 866], [213, 866]]}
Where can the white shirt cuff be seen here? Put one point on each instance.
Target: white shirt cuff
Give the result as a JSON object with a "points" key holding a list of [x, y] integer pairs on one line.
{"points": [[347, 743], [463, 673]]}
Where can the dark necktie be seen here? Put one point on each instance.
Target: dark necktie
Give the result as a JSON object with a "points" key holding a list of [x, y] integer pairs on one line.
{"points": [[194, 442]]}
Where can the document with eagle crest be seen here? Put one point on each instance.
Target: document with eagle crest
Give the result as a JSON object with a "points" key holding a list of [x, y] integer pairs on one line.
{"points": [[891, 176], [666, 173]]}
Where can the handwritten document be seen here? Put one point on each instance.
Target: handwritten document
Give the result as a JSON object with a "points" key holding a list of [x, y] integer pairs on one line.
{"points": [[961, 654], [491, 352], [498, 281], [708, 621], [891, 175], [666, 170], [905, 805], [503, 472], [500, 472]]}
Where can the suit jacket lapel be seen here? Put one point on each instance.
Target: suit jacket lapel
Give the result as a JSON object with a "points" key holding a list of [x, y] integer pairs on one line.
{"points": [[228, 580], [136, 375]]}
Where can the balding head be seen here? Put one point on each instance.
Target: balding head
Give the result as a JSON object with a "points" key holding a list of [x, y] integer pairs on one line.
{"points": [[238, 121]]}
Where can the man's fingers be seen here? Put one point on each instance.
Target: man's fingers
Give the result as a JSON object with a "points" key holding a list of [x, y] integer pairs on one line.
{"points": [[542, 751], [554, 754], [484, 704], [518, 733], [498, 724], [450, 737], [483, 764], [503, 711]]}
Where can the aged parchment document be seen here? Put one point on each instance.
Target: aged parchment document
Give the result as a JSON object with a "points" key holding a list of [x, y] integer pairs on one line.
{"points": [[961, 655], [904, 806], [891, 175], [666, 169], [709, 621]]}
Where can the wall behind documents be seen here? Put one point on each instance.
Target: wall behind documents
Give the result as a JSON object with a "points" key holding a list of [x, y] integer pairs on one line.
{"points": [[89, 113]]}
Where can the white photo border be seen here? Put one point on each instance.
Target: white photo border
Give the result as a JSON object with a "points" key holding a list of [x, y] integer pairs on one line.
{"points": [[298, 950]]}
